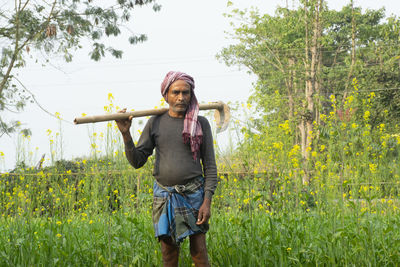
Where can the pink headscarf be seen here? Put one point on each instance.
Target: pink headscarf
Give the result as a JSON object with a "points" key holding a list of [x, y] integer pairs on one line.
{"points": [[192, 131]]}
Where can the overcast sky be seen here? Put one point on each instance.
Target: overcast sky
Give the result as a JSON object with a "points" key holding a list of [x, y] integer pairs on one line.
{"points": [[185, 35]]}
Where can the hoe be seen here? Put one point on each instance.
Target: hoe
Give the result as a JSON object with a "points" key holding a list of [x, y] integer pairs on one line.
{"points": [[222, 115]]}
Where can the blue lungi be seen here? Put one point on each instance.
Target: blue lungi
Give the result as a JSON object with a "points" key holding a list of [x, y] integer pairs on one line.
{"points": [[175, 210]]}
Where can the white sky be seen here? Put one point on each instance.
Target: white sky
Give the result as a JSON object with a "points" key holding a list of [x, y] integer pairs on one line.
{"points": [[185, 35]]}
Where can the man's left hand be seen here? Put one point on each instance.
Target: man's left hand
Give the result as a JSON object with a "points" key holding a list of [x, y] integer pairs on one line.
{"points": [[204, 212]]}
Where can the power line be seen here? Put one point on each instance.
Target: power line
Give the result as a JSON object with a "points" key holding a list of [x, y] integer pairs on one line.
{"points": [[134, 62], [132, 81], [333, 93], [335, 65], [326, 47], [379, 89]]}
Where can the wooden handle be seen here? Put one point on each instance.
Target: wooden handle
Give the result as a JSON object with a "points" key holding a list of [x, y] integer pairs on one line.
{"points": [[119, 116], [140, 113]]}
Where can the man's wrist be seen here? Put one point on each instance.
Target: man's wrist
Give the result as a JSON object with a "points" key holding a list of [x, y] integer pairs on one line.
{"points": [[208, 196], [207, 202], [127, 137], [129, 145]]}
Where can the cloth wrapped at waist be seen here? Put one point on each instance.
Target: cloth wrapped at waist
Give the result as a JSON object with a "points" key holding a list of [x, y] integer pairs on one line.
{"points": [[175, 209]]}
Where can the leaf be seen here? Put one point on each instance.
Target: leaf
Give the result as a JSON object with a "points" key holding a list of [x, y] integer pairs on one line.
{"points": [[156, 7], [257, 198]]}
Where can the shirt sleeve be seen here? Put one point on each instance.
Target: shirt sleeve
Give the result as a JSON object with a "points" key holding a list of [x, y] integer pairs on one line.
{"points": [[137, 156], [208, 159]]}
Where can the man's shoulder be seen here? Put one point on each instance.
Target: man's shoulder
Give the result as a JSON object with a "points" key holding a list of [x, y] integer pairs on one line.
{"points": [[205, 124], [153, 122], [202, 119]]}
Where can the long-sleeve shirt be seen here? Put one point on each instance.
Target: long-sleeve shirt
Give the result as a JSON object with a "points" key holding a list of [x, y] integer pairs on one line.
{"points": [[174, 163]]}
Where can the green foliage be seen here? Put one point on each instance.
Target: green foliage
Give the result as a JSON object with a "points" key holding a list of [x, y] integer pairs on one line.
{"points": [[259, 240], [55, 27], [258, 220], [97, 211], [274, 49], [346, 148]]}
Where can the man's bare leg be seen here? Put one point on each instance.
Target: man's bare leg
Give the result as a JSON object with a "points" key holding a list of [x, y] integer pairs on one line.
{"points": [[170, 252], [198, 250]]}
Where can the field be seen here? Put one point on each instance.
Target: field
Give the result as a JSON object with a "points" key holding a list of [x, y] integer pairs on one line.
{"points": [[105, 220], [96, 211]]}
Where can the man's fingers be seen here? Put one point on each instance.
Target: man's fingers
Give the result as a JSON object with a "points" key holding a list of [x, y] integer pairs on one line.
{"points": [[202, 218], [124, 111], [200, 222]]}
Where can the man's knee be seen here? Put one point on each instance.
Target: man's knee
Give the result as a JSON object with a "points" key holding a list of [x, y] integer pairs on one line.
{"points": [[198, 250], [198, 245], [169, 250]]}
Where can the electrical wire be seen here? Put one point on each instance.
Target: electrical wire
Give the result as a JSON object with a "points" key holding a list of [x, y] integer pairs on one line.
{"points": [[38, 104]]}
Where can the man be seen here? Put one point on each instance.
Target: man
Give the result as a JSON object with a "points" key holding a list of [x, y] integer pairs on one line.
{"points": [[184, 168]]}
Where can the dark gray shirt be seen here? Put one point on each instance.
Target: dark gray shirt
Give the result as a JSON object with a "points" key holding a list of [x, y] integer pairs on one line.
{"points": [[174, 163]]}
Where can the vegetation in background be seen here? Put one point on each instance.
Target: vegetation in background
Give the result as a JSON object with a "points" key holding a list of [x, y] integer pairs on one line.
{"points": [[97, 210], [309, 54], [55, 28]]}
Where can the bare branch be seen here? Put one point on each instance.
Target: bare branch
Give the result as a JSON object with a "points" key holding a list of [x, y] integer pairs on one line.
{"points": [[26, 3], [38, 104], [16, 50]]}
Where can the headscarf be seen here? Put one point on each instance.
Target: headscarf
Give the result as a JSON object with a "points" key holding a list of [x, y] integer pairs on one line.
{"points": [[192, 132]]}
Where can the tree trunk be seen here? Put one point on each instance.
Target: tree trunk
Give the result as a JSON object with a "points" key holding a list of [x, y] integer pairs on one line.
{"points": [[306, 127], [290, 88], [353, 52]]}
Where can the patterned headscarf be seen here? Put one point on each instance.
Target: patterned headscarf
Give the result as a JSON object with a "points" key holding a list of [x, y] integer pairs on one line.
{"points": [[192, 131]]}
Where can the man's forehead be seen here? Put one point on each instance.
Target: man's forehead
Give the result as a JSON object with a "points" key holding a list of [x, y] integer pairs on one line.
{"points": [[180, 85]]}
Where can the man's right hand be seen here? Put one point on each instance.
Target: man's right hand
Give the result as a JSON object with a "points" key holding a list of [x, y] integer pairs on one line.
{"points": [[124, 125]]}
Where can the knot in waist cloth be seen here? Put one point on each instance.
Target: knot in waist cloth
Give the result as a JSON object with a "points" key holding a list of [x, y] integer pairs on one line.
{"points": [[175, 209], [191, 187]]}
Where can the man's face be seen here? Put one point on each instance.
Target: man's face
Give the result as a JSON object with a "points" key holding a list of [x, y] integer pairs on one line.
{"points": [[178, 98]]}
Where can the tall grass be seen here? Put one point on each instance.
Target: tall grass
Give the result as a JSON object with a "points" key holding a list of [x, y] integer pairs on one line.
{"points": [[97, 211]]}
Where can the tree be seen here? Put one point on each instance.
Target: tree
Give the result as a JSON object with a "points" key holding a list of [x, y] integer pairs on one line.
{"points": [[285, 53], [57, 27], [310, 53], [360, 45]]}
